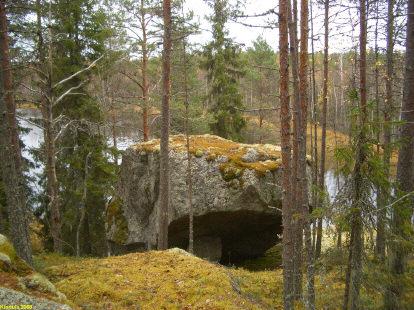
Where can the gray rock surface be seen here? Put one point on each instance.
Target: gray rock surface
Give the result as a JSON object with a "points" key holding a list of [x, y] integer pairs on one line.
{"points": [[10, 297], [236, 201]]}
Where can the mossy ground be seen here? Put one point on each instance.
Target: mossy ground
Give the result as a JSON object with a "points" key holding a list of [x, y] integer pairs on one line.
{"points": [[172, 280]]}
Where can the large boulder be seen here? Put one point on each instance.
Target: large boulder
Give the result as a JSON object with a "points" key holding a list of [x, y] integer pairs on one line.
{"points": [[236, 198]]}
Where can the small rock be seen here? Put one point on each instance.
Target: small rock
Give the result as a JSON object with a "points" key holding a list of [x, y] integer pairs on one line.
{"points": [[222, 159], [251, 156], [12, 297], [199, 153], [5, 262], [179, 251], [39, 282], [3, 239]]}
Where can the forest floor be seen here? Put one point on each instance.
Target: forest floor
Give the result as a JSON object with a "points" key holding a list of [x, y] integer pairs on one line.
{"points": [[174, 279]]}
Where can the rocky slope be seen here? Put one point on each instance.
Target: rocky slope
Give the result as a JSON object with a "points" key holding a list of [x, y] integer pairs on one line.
{"points": [[236, 198]]}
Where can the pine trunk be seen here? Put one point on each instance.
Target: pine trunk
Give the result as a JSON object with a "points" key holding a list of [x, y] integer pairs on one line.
{"points": [[296, 203], [165, 128], [12, 173], [302, 172], [187, 135], [285, 120], [144, 46], [401, 221]]}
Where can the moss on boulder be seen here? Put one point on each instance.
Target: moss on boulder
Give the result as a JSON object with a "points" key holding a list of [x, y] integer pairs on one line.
{"points": [[14, 262], [239, 156], [116, 221]]}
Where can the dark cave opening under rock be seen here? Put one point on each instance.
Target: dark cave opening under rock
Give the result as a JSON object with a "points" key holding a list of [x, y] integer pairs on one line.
{"points": [[228, 237]]}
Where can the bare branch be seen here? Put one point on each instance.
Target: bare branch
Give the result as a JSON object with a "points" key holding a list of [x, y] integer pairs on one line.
{"points": [[78, 72]]}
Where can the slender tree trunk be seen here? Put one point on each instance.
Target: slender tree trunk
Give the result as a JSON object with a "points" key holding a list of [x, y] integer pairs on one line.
{"points": [[187, 136], [315, 130], [384, 193], [12, 173], [113, 128], [52, 185], [285, 120], [145, 86], [354, 269], [321, 178], [82, 208], [296, 205], [302, 172], [165, 128], [401, 225]]}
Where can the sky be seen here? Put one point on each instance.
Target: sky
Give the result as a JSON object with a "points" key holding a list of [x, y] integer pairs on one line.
{"points": [[344, 27], [241, 34]]}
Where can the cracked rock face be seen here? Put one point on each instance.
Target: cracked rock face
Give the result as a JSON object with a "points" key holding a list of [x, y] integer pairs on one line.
{"points": [[236, 198]]}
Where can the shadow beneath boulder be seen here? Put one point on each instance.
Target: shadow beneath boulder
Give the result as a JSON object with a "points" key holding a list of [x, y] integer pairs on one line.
{"points": [[228, 237]]}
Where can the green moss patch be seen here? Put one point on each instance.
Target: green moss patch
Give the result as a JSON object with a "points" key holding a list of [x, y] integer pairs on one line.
{"points": [[16, 265], [115, 218]]}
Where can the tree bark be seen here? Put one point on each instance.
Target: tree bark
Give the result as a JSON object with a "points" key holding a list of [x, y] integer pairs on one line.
{"points": [[321, 178], [187, 136], [83, 204], [384, 193], [401, 220], [165, 127], [145, 86], [47, 99], [303, 190], [315, 169], [285, 120], [12, 173], [296, 203]]}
